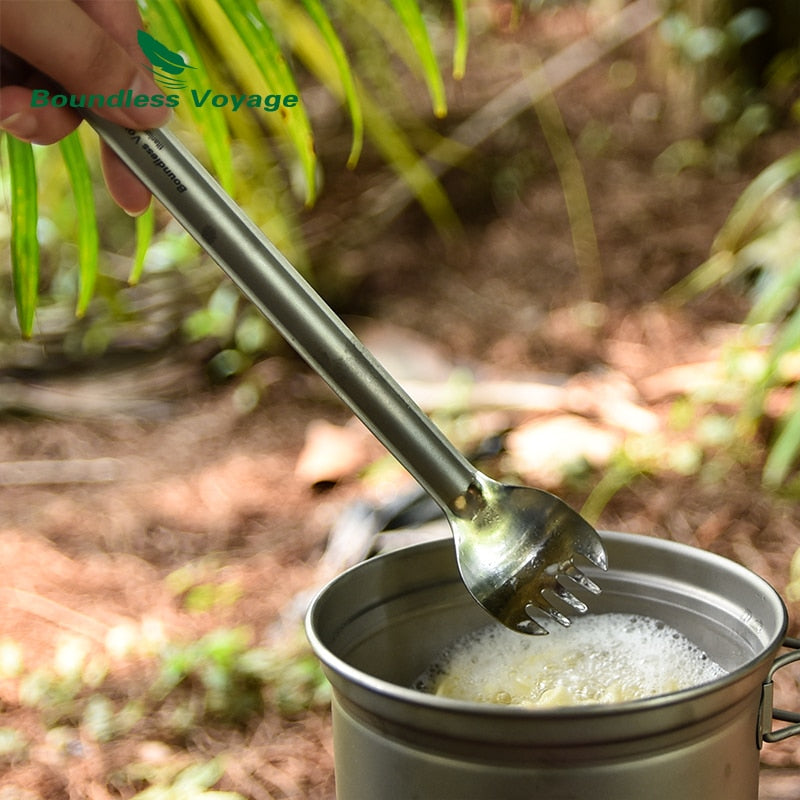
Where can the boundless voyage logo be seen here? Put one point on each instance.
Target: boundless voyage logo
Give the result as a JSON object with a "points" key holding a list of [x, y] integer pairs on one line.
{"points": [[167, 66]]}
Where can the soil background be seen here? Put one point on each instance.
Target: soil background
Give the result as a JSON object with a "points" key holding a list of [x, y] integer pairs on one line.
{"points": [[115, 474]]}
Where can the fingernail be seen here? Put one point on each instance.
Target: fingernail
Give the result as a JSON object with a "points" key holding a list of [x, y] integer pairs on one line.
{"points": [[23, 125], [149, 116], [134, 212]]}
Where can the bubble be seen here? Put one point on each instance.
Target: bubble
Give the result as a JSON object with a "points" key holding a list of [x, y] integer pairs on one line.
{"points": [[601, 658]]}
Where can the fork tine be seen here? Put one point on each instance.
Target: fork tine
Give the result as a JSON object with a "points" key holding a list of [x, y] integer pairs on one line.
{"points": [[574, 574], [545, 608], [554, 613], [531, 626], [567, 597], [593, 551]]}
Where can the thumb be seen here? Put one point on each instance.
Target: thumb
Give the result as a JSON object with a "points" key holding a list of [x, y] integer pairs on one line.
{"points": [[69, 46]]}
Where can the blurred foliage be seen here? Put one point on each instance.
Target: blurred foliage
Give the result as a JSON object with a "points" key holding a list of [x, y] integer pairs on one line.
{"points": [[793, 588], [353, 70], [267, 161], [758, 251], [143, 685], [220, 677], [755, 396], [706, 72], [736, 63], [699, 441], [194, 782]]}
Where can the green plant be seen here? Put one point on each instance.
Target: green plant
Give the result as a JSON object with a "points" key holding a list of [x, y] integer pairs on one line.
{"points": [[13, 745], [201, 588], [215, 677], [221, 677], [147, 688], [707, 50], [239, 46], [793, 588], [193, 782], [757, 250]]}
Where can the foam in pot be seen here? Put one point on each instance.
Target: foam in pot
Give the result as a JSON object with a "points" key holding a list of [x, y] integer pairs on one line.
{"points": [[600, 658]]}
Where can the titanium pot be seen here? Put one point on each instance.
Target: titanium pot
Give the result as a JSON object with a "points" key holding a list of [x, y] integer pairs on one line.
{"points": [[379, 625]]}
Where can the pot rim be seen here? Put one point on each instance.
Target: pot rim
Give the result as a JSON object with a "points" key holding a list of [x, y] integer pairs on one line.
{"points": [[340, 668]]}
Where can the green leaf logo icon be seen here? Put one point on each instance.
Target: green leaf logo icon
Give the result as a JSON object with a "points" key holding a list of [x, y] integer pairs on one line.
{"points": [[165, 63]]}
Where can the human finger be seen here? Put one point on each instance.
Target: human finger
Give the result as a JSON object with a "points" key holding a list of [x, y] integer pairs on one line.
{"points": [[128, 192], [38, 125], [77, 52], [120, 19], [17, 116]]}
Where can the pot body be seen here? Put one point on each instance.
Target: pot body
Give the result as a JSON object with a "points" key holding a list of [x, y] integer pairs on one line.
{"points": [[377, 627]]}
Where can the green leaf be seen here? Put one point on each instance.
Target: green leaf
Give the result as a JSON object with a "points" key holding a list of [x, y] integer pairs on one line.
{"points": [[160, 55], [398, 152], [784, 451], [748, 24], [88, 239], [721, 266], [574, 191], [621, 473], [98, 718], [255, 60], [200, 776], [462, 39], [24, 240], [165, 18], [12, 744], [411, 16], [145, 226], [703, 43], [788, 337], [387, 136], [317, 13], [747, 214], [403, 37], [776, 294]]}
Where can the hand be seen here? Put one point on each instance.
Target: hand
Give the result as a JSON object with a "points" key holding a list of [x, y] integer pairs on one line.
{"points": [[75, 47]]}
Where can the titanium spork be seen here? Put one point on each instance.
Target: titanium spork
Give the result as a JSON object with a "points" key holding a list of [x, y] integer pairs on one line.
{"points": [[516, 546]]}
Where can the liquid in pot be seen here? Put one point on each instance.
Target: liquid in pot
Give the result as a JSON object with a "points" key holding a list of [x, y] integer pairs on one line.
{"points": [[601, 658]]}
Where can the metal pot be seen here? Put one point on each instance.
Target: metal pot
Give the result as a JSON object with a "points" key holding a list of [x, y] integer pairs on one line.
{"points": [[377, 627]]}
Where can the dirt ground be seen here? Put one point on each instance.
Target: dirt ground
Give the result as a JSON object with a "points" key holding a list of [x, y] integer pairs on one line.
{"points": [[99, 505]]}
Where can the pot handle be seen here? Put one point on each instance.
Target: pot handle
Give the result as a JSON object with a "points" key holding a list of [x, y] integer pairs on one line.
{"points": [[768, 713]]}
